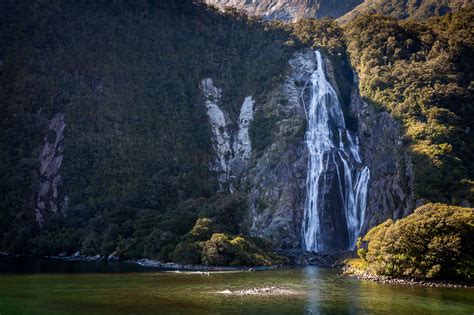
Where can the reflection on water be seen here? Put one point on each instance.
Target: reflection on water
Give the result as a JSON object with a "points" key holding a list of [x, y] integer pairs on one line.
{"points": [[29, 286], [313, 300], [329, 293], [44, 265]]}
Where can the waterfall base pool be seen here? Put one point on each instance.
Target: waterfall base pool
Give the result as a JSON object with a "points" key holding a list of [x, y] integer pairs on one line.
{"points": [[41, 286]]}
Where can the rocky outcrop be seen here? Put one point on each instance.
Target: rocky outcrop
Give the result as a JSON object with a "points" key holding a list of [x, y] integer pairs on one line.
{"points": [[47, 197], [345, 11], [278, 176], [221, 140], [233, 150], [390, 193], [289, 10], [242, 146]]}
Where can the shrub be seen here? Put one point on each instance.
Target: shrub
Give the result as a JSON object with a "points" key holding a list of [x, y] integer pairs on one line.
{"points": [[187, 252], [202, 230], [221, 249], [433, 242]]}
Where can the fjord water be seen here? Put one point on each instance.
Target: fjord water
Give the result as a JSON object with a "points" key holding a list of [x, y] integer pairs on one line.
{"points": [[42, 286], [337, 180]]}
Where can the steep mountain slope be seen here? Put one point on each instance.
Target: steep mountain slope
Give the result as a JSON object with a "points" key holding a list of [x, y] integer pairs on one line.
{"points": [[422, 73], [289, 10], [103, 122], [175, 132], [292, 10], [403, 9]]}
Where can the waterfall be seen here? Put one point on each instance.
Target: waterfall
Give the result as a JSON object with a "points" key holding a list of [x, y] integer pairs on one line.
{"points": [[337, 180]]}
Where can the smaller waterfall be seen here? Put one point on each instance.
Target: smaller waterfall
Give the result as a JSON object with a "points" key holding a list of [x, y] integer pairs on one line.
{"points": [[336, 181]]}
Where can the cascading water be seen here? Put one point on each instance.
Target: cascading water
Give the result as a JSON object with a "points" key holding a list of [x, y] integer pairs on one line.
{"points": [[337, 180]]}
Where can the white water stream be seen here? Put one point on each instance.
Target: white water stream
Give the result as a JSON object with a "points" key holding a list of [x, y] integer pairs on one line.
{"points": [[332, 149]]}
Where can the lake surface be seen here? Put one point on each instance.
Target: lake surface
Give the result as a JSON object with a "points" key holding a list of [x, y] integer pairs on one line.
{"points": [[46, 286]]}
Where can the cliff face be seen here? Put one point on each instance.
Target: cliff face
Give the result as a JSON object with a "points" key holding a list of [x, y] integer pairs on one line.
{"points": [[232, 149], [204, 117], [345, 11], [289, 10], [390, 193], [277, 177]]}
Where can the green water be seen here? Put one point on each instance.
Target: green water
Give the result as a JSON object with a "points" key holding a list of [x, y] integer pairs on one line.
{"points": [[29, 286]]}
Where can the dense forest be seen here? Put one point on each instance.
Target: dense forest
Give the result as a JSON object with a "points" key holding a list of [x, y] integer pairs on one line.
{"points": [[405, 9], [422, 73], [433, 242], [127, 78], [136, 179]]}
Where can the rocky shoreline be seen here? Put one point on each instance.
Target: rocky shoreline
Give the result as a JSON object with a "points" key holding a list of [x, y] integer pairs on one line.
{"points": [[150, 263], [352, 272], [325, 260], [305, 260], [330, 259], [185, 267]]}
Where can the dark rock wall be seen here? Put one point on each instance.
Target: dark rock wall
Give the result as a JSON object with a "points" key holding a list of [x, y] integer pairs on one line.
{"points": [[277, 177]]}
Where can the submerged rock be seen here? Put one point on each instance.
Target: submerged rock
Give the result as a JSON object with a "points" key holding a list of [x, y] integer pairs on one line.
{"points": [[264, 291]]}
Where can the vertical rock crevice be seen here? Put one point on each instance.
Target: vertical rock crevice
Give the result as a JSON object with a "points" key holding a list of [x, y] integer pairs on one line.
{"points": [[221, 140], [51, 156], [233, 150]]}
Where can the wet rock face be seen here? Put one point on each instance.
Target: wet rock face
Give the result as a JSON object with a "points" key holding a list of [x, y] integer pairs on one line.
{"points": [[221, 140], [51, 156], [278, 176], [390, 192], [242, 146], [232, 149]]}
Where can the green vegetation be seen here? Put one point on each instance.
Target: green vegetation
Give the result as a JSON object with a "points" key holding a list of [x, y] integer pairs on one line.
{"points": [[433, 242], [415, 9], [422, 73], [127, 77], [137, 138], [221, 249], [205, 245]]}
